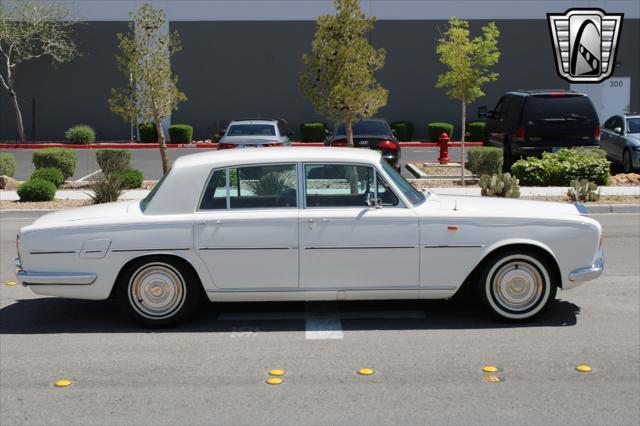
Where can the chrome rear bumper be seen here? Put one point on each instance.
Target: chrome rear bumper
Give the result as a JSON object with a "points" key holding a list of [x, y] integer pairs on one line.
{"points": [[55, 278], [591, 273]]}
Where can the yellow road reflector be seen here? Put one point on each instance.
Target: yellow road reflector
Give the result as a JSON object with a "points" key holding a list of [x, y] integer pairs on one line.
{"points": [[493, 378], [584, 368], [276, 372], [366, 372], [274, 381], [62, 383], [490, 369], [11, 283]]}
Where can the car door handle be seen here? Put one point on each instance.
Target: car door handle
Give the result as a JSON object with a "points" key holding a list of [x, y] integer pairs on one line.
{"points": [[323, 220], [211, 222]]}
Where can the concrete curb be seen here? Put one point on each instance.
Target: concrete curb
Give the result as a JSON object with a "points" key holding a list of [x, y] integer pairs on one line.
{"points": [[613, 208]]}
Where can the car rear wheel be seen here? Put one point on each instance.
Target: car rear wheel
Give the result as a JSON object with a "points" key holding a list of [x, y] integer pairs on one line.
{"points": [[507, 157], [158, 291], [626, 161], [516, 286]]}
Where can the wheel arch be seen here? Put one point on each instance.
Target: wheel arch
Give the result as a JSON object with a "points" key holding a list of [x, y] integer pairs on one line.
{"points": [[160, 255]]}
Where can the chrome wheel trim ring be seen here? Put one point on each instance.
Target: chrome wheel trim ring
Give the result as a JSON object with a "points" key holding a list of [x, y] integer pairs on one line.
{"points": [[521, 292], [157, 291]]}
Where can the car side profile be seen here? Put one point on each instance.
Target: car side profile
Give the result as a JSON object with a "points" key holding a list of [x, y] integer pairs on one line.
{"points": [[621, 140], [306, 224], [529, 122], [253, 133]]}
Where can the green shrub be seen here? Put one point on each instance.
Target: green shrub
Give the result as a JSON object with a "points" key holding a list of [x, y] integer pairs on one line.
{"points": [[562, 167], [499, 185], [113, 160], [181, 133], [148, 132], [106, 189], [51, 175], [485, 161], [37, 190], [312, 131], [7, 164], [475, 131], [131, 178], [81, 134], [403, 129], [436, 129], [63, 159]]}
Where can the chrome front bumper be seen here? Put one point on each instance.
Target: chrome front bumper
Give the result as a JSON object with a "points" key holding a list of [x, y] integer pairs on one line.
{"points": [[586, 274], [54, 278]]}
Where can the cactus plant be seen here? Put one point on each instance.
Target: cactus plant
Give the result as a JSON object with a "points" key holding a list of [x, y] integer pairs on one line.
{"points": [[583, 191], [500, 185]]}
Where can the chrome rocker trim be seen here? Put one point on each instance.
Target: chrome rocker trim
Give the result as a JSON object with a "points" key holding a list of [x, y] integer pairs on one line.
{"points": [[592, 273], [55, 278]]}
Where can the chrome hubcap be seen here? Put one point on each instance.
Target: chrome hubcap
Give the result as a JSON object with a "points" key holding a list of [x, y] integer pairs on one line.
{"points": [[517, 286], [157, 290]]}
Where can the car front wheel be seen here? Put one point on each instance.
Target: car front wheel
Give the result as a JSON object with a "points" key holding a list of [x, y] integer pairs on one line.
{"points": [[516, 286], [158, 291]]}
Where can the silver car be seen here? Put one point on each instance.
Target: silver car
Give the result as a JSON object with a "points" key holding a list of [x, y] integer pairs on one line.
{"points": [[621, 139], [255, 133]]}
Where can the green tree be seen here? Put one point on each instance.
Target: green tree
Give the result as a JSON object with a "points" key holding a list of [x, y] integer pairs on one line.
{"points": [[146, 59], [468, 61], [28, 31], [338, 74]]}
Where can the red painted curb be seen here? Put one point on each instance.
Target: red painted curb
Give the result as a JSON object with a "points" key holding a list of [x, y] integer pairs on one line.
{"points": [[199, 145]]}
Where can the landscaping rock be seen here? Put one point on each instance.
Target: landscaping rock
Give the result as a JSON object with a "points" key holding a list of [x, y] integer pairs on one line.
{"points": [[7, 183]]}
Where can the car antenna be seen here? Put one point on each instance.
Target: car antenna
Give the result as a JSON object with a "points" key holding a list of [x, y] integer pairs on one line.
{"points": [[455, 205]]}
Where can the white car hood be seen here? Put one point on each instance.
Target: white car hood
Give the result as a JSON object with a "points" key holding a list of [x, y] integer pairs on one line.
{"points": [[88, 213], [500, 207]]}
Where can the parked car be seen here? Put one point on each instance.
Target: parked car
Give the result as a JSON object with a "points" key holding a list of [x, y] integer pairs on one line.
{"points": [[621, 139], [529, 122], [255, 133], [374, 134], [306, 224]]}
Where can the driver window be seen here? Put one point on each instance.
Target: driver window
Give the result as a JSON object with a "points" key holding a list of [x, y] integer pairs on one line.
{"points": [[337, 185]]}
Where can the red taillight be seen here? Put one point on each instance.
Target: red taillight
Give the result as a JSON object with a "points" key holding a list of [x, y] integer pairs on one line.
{"points": [[339, 142], [556, 94], [596, 133], [520, 133], [387, 145], [226, 146]]}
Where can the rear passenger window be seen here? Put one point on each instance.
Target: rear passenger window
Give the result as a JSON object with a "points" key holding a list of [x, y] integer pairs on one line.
{"points": [[337, 185], [215, 195], [259, 187]]}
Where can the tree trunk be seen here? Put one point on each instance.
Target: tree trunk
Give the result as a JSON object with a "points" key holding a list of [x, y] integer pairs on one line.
{"points": [[16, 107], [348, 130], [462, 126], [162, 145]]}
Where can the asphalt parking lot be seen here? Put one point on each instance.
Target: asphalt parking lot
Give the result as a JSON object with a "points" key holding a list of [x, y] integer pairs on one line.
{"points": [[427, 357]]}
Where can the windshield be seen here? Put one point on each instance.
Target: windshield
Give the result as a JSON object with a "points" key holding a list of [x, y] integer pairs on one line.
{"points": [[146, 200], [633, 124], [252, 130], [413, 195], [558, 108], [366, 128]]}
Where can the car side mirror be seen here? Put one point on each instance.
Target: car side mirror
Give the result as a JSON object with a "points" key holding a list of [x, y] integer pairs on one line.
{"points": [[618, 130], [373, 201], [289, 134], [327, 134], [482, 112], [393, 132]]}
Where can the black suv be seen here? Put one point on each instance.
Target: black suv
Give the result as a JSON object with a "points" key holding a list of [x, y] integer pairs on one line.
{"points": [[529, 122]]}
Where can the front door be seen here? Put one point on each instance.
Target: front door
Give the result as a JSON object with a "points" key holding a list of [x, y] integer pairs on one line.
{"points": [[348, 244], [246, 229]]}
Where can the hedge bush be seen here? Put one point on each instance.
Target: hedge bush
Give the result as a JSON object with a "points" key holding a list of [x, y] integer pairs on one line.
{"points": [[436, 129], [181, 133], [7, 164], [81, 134], [113, 160], [148, 132], [484, 161], [312, 131], [475, 130], [404, 130], [63, 159], [37, 190], [49, 174], [562, 167], [131, 178]]}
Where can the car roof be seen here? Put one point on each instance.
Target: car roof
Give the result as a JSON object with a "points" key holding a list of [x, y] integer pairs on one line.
{"points": [[630, 114], [256, 121], [535, 92], [276, 154]]}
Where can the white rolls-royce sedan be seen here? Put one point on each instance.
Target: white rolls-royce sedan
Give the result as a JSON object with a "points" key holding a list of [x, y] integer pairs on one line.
{"points": [[306, 224]]}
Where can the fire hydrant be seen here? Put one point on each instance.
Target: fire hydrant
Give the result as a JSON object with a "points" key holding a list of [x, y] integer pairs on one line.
{"points": [[444, 148]]}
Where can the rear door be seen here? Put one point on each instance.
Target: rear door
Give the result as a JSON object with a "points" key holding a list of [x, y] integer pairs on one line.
{"points": [[495, 123], [560, 120]]}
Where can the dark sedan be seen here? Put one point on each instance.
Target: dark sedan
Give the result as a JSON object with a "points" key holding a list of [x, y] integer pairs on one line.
{"points": [[373, 134]]}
